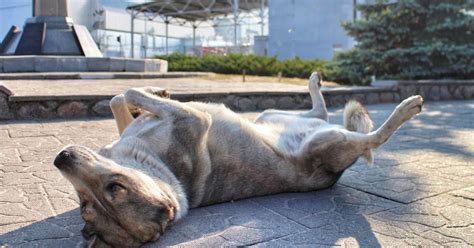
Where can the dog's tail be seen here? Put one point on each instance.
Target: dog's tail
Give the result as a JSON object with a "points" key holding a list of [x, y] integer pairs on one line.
{"points": [[357, 119]]}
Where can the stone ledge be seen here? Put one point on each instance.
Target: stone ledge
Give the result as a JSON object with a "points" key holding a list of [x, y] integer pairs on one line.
{"points": [[435, 82], [75, 106], [40, 63]]}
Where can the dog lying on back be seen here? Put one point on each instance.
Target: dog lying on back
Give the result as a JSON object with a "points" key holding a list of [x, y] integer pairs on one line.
{"points": [[177, 156]]}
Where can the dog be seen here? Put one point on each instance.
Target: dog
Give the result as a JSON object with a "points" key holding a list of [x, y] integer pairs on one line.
{"points": [[175, 156]]}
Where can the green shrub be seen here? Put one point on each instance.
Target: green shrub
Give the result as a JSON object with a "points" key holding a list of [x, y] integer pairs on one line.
{"points": [[236, 63], [409, 39]]}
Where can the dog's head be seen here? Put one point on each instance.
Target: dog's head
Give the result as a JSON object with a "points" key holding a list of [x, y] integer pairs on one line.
{"points": [[121, 206]]}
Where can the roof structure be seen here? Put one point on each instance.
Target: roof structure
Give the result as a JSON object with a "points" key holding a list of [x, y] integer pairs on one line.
{"points": [[195, 10]]}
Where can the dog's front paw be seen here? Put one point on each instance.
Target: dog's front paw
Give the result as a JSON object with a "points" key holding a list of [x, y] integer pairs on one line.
{"points": [[157, 91]]}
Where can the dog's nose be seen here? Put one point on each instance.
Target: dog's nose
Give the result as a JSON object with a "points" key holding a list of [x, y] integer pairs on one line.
{"points": [[64, 158]]}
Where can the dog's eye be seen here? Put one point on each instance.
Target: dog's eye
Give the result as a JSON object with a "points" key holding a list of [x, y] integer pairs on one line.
{"points": [[114, 187]]}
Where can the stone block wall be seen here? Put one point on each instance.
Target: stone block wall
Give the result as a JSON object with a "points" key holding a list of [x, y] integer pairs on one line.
{"points": [[435, 90], [88, 106], [5, 112], [47, 107]]}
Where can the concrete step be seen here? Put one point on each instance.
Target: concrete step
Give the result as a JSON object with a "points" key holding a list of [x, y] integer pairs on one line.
{"points": [[98, 75]]}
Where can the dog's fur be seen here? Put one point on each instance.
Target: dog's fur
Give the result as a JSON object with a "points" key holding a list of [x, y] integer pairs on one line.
{"points": [[177, 156]]}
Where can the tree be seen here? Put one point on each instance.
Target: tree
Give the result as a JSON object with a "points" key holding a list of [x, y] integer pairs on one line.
{"points": [[409, 39]]}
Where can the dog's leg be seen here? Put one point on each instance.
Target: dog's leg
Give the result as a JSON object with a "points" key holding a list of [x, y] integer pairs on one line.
{"points": [[123, 112], [190, 129], [122, 115], [151, 100], [337, 149], [403, 112], [319, 109]]}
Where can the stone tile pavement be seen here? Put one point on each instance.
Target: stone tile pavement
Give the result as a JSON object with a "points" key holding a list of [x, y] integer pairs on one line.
{"points": [[419, 192], [117, 86]]}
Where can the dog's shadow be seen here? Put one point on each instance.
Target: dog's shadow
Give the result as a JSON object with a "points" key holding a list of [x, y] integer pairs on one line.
{"points": [[328, 217], [324, 218]]}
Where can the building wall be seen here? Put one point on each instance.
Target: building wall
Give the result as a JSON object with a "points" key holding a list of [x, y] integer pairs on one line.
{"points": [[309, 29]]}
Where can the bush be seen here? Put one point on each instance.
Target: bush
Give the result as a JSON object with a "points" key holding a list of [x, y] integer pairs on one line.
{"points": [[236, 63]]}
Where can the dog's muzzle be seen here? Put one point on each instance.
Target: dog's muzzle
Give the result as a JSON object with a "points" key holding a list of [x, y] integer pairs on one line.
{"points": [[63, 159]]}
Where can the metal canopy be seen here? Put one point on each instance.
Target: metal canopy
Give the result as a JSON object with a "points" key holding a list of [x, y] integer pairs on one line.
{"points": [[194, 10]]}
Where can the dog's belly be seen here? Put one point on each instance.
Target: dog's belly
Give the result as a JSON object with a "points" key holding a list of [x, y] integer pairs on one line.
{"points": [[243, 164]]}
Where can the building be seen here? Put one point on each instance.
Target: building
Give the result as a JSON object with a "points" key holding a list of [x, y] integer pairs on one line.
{"points": [[110, 25], [308, 29]]}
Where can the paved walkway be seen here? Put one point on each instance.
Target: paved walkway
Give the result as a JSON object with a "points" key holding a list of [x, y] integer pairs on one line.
{"points": [[118, 86], [419, 192], [91, 87]]}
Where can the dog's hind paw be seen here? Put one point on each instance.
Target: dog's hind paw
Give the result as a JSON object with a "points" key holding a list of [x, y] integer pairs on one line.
{"points": [[410, 106]]}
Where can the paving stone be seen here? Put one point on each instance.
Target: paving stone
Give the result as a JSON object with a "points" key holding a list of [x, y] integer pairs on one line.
{"points": [[323, 208], [43, 231], [445, 219], [419, 192], [9, 155]]}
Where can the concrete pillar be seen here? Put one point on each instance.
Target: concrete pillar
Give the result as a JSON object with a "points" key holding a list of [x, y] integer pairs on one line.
{"points": [[166, 35], [132, 34], [194, 38], [235, 8], [49, 7], [262, 16]]}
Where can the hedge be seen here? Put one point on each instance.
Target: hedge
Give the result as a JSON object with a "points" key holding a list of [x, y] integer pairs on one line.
{"points": [[253, 65]]}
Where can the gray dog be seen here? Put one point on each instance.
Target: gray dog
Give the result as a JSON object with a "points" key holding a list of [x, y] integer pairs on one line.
{"points": [[177, 156]]}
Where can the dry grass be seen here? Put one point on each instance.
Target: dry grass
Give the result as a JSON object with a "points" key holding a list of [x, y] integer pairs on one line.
{"points": [[263, 79]]}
